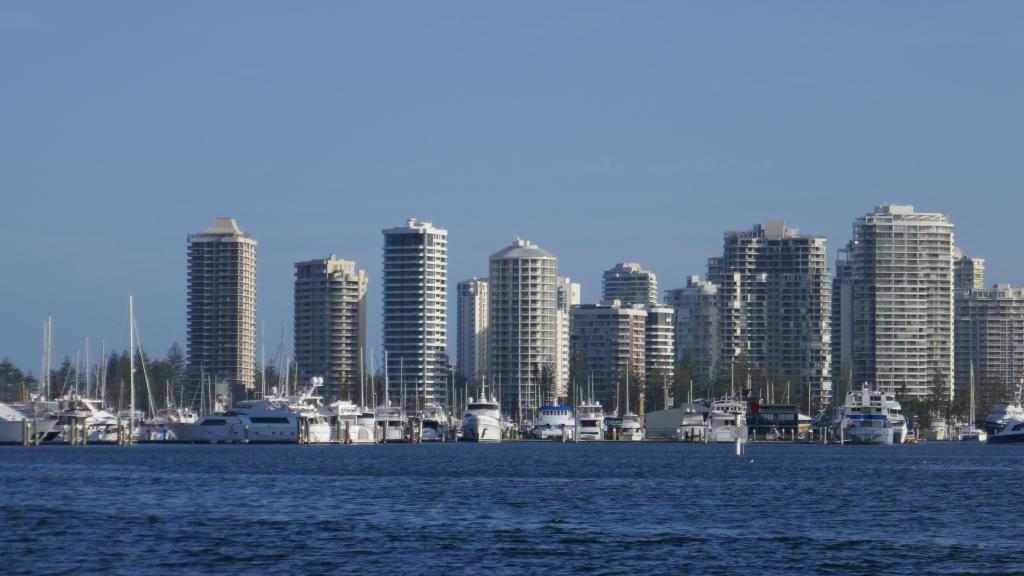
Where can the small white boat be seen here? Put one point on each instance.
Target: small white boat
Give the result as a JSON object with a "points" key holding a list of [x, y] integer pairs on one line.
{"points": [[354, 425], [554, 423], [972, 433], [434, 423], [482, 421], [391, 424], [631, 430], [591, 421]]}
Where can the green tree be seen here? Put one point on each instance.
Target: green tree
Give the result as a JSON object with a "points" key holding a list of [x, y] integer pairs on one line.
{"points": [[11, 381]]}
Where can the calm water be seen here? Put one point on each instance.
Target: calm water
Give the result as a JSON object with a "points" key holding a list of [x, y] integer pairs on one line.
{"points": [[941, 508]]}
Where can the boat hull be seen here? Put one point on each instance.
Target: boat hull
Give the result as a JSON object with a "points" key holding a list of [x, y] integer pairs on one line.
{"points": [[1006, 439], [481, 429], [868, 436], [12, 432]]}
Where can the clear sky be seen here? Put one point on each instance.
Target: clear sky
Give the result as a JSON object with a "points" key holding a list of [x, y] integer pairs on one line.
{"points": [[603, 131]]}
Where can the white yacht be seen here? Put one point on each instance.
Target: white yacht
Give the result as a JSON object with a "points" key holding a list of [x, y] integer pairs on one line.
{"points": [[391, 424], [728, 420], [900, 427], [482, 421], [864, 418], [591, 421], [13, 429], [1012, 432], [357, 423], [270, 420], [692, 426], [76, 410], [631, 430], [554, 423], [214, 428], [435, 423], [1002, 413], [938, 430]]}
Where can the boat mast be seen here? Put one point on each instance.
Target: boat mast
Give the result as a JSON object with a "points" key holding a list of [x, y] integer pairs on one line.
{"points": [[103, 370], [972, 395], [87, 367], [387, 385], [627, 384], [131, 365], [263, 358], [362, 380]]}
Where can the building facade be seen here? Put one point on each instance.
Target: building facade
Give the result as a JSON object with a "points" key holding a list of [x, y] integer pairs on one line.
{"points": [[630, 284], [568, 296], [659, 343], [774, 292], [522, 308], [222, 306], [472, 336], [696, 325], [330, 324], [609, 338], [415, 310], [896, 309], [990, 336]]}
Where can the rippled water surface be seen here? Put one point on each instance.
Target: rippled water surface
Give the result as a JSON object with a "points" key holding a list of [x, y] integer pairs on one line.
{"points": [[514, 508]]}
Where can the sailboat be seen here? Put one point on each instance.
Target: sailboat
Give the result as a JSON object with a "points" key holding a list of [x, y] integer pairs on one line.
{"points": [[632, 431], [972, 432]]}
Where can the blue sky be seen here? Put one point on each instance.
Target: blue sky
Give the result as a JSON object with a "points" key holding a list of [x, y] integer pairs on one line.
{"points": [[603, 131]]}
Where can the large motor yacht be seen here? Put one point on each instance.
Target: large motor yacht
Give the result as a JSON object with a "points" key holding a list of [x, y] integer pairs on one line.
{"points": [[727, 421], [865, 418], [554, 423], [482, 421], [1012, 432], [1002, 413], [269, 420]]}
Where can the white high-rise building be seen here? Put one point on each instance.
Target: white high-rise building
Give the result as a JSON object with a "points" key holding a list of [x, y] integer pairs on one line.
{"points": [[568, 296], [630, 284], [472, 335], [523, 327], [896, 312], [659, 343], [415, 284], [330, 324], [222, 306]]}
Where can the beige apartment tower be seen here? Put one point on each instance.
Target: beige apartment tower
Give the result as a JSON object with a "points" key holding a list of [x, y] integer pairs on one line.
{"points": [[330, 324], [222, 306]]}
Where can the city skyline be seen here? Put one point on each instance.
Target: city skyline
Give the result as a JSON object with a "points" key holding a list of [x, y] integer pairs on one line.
{"points": [[592, 293], [316, 141]]}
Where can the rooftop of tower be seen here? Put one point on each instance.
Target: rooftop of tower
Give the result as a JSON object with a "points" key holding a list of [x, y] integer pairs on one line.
{"points": [[522, 249]]}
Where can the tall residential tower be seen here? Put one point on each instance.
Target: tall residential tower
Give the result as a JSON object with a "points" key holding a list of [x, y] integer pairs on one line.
{"points": [[415, 308], [330, 324], [222, 306], [523, 324], [896, 312]]}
